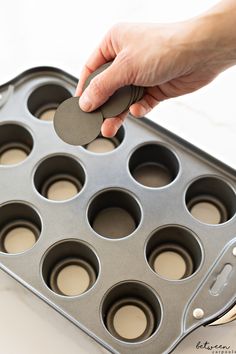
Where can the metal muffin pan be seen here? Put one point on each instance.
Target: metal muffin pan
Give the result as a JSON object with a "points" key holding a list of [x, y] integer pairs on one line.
{"points": [[121, 267]]}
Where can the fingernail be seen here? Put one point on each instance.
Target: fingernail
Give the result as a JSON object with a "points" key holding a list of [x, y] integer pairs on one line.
{"points": [[85, 103]]}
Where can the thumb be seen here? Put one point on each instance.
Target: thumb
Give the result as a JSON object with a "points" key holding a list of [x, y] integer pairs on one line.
{"points": [[103, 86]]}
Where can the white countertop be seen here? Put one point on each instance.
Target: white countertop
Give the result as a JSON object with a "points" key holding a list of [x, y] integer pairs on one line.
{"points": [[63, 34]]}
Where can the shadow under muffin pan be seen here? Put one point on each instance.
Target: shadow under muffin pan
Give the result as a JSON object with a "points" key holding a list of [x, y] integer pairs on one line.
{"points": [[147, 222]]}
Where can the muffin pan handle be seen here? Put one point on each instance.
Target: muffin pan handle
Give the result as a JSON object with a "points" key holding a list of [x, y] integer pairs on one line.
{"points": [[209, 296]]}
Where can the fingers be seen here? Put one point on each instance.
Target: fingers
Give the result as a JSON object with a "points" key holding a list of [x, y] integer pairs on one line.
{"points": [[102, 54], [145, 105], [95, 61], [103, 86], [110, 126]]}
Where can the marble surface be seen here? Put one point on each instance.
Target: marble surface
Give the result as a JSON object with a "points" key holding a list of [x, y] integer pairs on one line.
{"points": [[63, 34]]}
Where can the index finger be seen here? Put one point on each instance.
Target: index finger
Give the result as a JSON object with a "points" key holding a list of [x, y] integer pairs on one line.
{"points": [[102, 54]]}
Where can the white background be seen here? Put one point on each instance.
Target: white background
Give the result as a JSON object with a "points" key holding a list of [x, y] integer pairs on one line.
{"points": [[63, 34]]}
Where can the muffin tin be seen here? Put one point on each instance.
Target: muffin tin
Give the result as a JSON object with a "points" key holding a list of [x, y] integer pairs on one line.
{"points": [[151, 195]]}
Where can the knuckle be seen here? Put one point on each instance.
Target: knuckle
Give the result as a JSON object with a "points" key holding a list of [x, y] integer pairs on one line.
{"points": [[151, 102], [126, 62], [96, 87]]}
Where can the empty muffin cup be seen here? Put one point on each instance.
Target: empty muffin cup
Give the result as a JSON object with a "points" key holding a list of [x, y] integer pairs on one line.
{"points": [[131, 312], [114, 214], [59, 178], [211, 200], [173, 252], [16, 144], [20, 228], [153, 165], [70, 268], [44, 100], [103, 145]]}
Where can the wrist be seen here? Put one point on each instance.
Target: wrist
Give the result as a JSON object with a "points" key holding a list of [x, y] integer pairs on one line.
{"points": [[214, 37]]}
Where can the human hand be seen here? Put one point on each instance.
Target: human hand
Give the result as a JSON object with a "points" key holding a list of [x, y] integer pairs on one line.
{"points": [[168, 60]]}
